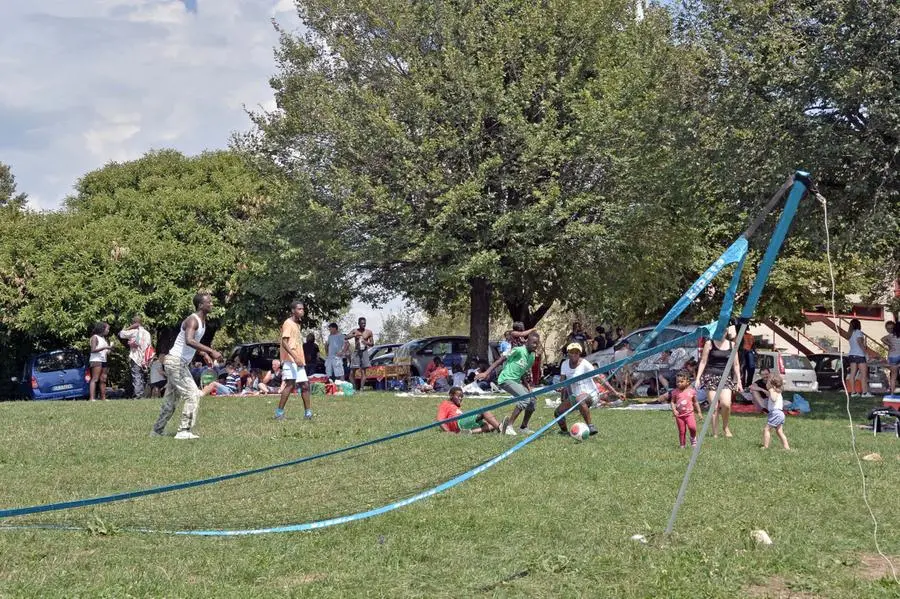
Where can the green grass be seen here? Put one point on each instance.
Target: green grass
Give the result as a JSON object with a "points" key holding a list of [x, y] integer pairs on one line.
{"points": [[554, 520]]}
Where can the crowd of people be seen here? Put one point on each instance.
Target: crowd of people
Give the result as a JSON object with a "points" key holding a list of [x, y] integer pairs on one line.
{"points": [[516, 371]]}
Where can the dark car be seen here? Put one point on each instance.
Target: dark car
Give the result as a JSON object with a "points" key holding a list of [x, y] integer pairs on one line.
{"points": [[58, 374], [830, 376], [256, 355], [380, 355]]}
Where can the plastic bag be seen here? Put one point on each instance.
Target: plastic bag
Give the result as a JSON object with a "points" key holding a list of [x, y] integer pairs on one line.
{"points": [[800, 404]]}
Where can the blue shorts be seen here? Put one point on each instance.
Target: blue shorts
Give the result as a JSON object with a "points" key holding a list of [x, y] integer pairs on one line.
{"points": [[856, 359], [776, 418], [894, 360]]}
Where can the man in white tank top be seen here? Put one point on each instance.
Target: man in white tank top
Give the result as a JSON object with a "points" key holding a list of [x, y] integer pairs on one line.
{"points": [[180, 384]]}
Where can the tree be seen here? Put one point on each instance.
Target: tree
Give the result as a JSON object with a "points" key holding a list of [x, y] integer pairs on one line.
{"points": [[8, 195], [446, 142], [143, 237]]}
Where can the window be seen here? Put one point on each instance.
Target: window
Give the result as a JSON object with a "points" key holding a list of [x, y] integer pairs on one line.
{"points": [[765, 361], [438, 348], [55, 362], [461, 346], [796, 362]]}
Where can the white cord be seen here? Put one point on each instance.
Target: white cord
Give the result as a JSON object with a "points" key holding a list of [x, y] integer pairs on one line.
{"points": [[862, 473]]}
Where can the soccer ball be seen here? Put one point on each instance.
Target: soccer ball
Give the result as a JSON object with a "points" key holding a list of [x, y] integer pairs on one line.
{"points": [[579, 431]]}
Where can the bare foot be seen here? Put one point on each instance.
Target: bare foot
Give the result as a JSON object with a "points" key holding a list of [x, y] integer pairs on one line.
{"points": [[728, 434]]}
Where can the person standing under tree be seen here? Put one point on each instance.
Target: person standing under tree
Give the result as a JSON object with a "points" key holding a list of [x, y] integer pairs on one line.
{"points": [[179, 381], [138, 341], [311, 353], [857, 359], [336, 348], [98, 360], [293, 362], [361, 340]]}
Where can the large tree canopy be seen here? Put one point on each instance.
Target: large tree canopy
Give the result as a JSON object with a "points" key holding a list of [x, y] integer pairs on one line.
{"points": [[143, 237], [447, 140]]}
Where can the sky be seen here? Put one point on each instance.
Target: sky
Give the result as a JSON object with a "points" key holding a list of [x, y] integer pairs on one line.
{"points": [[87, 82]]}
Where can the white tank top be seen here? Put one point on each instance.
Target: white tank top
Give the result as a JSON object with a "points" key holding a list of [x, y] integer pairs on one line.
{"points": [[181, 349], [102, 350]]}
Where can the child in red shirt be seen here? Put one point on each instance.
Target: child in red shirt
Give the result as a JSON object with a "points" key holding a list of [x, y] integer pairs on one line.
{"points": [[477, 423], [683, 400]]}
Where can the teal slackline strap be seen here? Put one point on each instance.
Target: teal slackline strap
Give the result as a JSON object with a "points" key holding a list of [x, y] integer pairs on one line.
{"points": [[49, 507], [799, 190], [735, 253], [346, 519]]}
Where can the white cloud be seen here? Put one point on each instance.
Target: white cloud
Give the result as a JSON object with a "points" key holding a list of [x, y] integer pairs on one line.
{"points": [[91, 81]]}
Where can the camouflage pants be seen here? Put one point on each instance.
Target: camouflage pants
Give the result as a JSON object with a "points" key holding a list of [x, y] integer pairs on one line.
{"points": [[179, 385]]}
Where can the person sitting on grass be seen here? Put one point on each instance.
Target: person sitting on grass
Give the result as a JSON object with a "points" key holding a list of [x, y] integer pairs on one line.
{"points": [[515, 366], [583, 392], [230, 386], [776, 413], [477, 423], [271, 381], [759, 391]]}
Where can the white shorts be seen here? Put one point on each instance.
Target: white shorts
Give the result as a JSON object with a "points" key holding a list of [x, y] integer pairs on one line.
{"points": [[334, 367], [292, 372]]}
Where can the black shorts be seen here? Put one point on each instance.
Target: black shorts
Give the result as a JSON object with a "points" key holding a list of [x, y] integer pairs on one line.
{"points": [[856, 359], [158, 385]]}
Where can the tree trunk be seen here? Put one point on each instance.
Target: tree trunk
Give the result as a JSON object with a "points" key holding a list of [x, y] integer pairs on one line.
{"points": [[479, 317], [520, 311]]}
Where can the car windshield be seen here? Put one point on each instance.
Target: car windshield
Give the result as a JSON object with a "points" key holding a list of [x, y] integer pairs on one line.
{"points": [[58, 361], [796, 362]]}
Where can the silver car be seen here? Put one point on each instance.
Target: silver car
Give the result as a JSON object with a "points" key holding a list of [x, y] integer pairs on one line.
{"points": [[797, 371]]}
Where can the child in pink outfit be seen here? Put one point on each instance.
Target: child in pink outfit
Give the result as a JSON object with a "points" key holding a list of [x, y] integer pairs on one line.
{"points": [[683, 400]]}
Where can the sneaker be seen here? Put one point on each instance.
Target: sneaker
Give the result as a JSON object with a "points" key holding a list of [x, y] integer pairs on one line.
{"points": [[186, 435], [562, 432], [156, 434], [682, 447], [616, 403], [510, 431], [308, 415], [854, 395], [525, 431], [592, 430], [504, 425], [867, 395], [279, 414]]}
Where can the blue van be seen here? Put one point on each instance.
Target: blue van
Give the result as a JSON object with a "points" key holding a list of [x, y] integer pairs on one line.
{"points": [[58, 374]]}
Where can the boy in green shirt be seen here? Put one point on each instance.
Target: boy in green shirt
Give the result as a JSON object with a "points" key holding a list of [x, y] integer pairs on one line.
{"points": [[517, 364]]}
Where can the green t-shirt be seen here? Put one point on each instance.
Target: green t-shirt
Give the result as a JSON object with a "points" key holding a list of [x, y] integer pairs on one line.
{"points": [[517, 364]]}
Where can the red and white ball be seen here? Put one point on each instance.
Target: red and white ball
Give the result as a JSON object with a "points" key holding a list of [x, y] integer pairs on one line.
{"points": [[579, 431]]}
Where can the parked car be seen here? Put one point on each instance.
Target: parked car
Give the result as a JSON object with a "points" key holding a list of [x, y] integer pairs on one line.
{"points": [[670, 333], [830, 376], [260, 355], [797, 371], [453, 349], [256, 355], [57, 374], [380, 355]]}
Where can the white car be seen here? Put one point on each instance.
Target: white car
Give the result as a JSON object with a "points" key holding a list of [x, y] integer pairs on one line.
{"points": [[797, 371]]}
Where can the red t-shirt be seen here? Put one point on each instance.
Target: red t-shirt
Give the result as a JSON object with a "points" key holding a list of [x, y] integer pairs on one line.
{"points": [[684, 400], [448, 409]]}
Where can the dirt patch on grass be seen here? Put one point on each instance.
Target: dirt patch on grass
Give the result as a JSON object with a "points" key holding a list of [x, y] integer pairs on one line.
{"points": [[873, 567], [289, 582], [776, 588]]}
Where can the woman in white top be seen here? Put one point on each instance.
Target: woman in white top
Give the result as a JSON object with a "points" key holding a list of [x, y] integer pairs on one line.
{"points": [[856, 357], [892, 341], [98, 360]]}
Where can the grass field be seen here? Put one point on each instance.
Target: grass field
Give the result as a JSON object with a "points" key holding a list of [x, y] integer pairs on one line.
{"points": [[554, 520]]}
